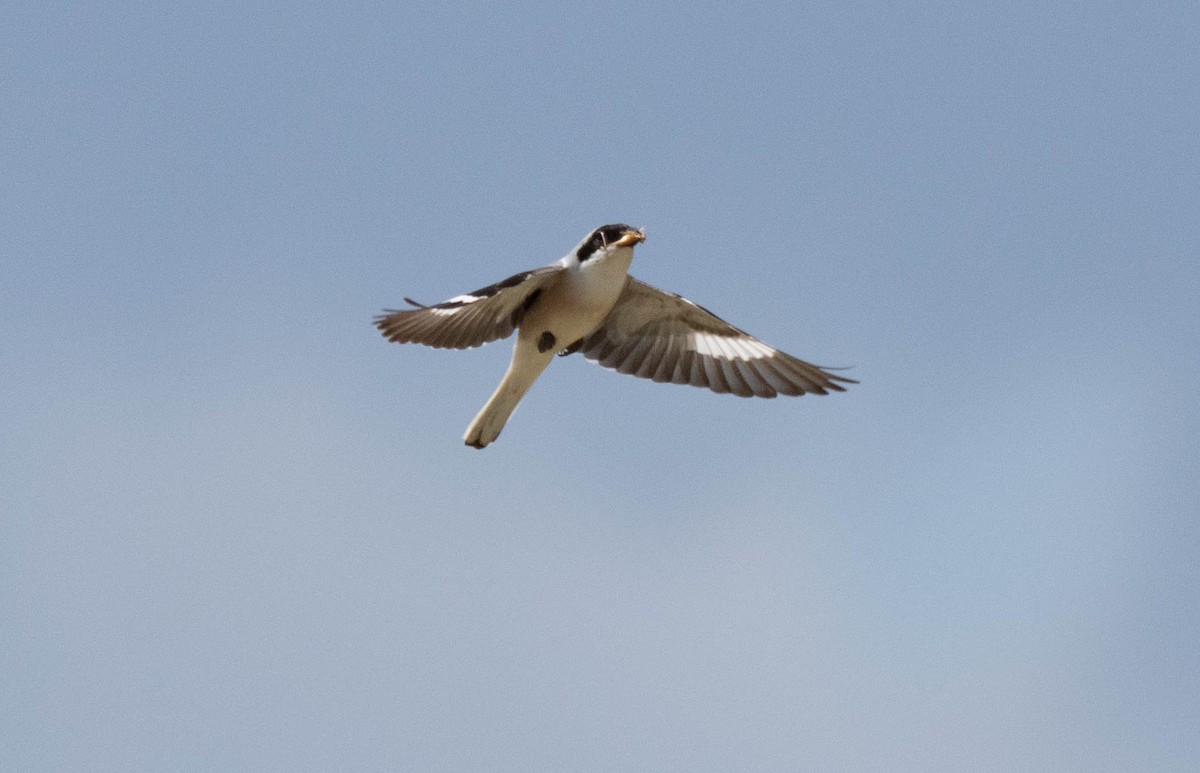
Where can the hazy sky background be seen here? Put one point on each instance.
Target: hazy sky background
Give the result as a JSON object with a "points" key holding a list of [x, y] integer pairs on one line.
{"points": [[240, 530]]}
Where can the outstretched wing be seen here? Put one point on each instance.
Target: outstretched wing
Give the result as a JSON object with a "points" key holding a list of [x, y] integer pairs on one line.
{"points": [[470, 320], [662, 336]]}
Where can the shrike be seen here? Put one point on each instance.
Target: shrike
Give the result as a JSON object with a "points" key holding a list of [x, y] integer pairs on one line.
{"points": [[587, 302]]}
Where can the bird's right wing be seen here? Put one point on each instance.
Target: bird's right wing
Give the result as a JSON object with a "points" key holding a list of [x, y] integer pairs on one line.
{"points": [[665, 337], [470, 320]]}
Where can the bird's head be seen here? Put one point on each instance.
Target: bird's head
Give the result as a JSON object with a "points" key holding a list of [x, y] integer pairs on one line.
{"points": [[609, 237]]}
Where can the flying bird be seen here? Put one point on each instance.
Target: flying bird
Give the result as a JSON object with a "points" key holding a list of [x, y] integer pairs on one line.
{"points": [[587, 302]]}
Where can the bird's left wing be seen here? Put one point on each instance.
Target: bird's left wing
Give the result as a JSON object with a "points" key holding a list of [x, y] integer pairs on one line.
{"points": [[470, 320], [665, 337]]}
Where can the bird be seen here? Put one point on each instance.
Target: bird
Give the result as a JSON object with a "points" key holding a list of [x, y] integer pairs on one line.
{"points": [[587, 302]]}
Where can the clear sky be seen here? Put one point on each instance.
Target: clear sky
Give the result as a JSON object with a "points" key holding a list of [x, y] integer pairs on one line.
{"points": [[240, 530]]}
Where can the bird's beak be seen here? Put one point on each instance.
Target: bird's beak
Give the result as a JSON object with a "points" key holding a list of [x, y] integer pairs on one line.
{"points": [[631, 238]]}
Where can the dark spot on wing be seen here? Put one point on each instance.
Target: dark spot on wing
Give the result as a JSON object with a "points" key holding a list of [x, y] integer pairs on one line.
{"points": [[605, 234], [546, 342]]}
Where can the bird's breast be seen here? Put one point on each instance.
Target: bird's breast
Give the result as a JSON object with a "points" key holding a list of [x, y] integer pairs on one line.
{"points": [[576, 304]]}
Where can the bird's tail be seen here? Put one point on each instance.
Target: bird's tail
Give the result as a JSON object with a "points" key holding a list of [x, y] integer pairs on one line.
{"points": [[520, 377]]}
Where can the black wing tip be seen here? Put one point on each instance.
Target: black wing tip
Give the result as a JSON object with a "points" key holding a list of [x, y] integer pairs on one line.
{"points": [[391, 312], [382, 322], [379, 318], [833, 377], [830, 383], [386, 325]]}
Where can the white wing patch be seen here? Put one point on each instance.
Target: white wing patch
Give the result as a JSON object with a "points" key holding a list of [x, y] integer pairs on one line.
{"points": [[727, 348], [463, 300]]}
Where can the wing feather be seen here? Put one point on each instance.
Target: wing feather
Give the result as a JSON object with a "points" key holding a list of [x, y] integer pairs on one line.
{"points": [[665, 367], [635, 354], [653, 358]]}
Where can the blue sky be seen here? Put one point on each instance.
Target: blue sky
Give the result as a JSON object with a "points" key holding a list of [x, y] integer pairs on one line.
{"points": [[240, 531]]}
